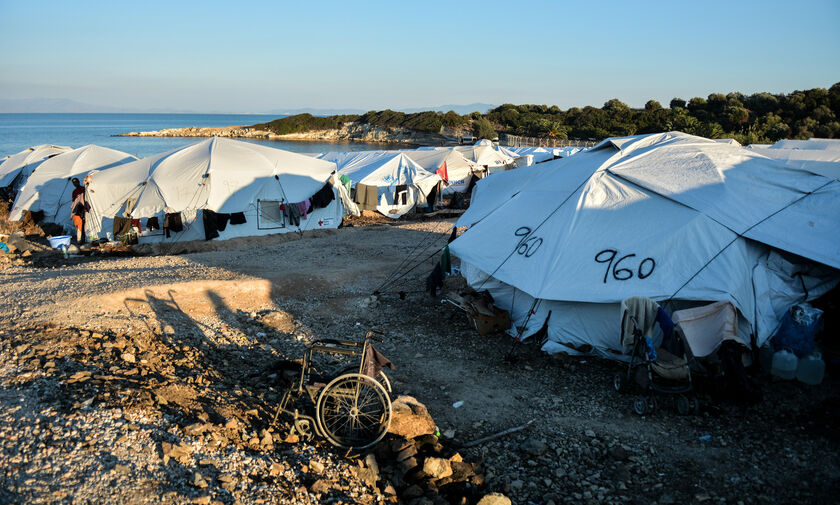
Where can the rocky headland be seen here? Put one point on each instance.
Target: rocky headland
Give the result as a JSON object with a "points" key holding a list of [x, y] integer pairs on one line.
{"points": [[348, 132]]}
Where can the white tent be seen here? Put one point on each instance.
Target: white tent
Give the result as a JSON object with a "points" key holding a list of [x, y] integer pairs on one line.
{"points": [[220, 175], [491, 158], [451, 165], [669, 216], [820, 156], [17, 167], [540, 154], [401, 182], [48, 188]]}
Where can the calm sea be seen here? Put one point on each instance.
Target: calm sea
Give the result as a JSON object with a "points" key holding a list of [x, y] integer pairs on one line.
{"points": [[19, 131]]}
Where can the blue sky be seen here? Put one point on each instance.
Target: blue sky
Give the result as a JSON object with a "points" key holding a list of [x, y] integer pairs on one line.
{"points": [[255, 56]]}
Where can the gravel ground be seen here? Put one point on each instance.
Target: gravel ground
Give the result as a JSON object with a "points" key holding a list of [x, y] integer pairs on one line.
{"points": [[148, 380]]}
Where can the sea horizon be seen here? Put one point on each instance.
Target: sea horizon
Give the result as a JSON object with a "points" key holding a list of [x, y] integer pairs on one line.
{"points": [[20, 130]]}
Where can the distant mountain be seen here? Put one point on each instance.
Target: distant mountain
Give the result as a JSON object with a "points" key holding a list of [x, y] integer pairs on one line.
{"points": [[460, 109], [36, 105], [66, 105]]}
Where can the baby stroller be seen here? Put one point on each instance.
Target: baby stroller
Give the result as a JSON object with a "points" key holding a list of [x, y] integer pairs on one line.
{"points": [[655, 369]]}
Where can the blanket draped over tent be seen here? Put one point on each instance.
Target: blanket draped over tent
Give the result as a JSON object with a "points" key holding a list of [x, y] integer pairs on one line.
{"points": [[672, 217]]}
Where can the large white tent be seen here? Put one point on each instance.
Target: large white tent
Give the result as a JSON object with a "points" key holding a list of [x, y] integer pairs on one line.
{"points": [[17, 167], [220, 175], [48, 188], [669, 216], [820, 156], [401, 182]]}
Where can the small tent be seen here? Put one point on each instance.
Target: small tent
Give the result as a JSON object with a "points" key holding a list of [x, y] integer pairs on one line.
{"points": [[48, 188], [820, 156], [193, 192], [386, 181], [670, 216], [17, 167]]}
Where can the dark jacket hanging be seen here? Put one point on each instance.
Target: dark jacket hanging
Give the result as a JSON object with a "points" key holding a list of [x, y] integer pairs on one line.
{"points": [[152, 224], [211, 229], [238, 218], [222, 221], [172, 223], [323, 197]]}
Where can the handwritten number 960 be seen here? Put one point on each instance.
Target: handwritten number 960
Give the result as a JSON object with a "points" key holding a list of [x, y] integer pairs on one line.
{"points": [[527, 244], [608, 256]]}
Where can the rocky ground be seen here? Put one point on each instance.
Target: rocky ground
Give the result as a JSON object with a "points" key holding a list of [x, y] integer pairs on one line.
{"points": [[153, 379]]}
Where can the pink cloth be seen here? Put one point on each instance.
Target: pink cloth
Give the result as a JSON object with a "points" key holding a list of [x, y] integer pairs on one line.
{"points": [[303, 207]]}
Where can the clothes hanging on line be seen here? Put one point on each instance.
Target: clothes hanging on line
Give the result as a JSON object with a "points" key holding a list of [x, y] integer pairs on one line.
{"points": [[367, 197], [152, 224], [303, 208], [294, 214], [135, 223], [222, 221], [122, 225], [323, 197], [211, 226], [238, 218], [172, 223]]}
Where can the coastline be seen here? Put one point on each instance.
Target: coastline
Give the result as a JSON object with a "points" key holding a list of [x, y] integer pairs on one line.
{"points": [[349, 132]]}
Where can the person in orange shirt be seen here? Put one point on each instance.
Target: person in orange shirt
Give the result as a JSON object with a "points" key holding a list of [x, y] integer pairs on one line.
{"points": [[78, 209]]}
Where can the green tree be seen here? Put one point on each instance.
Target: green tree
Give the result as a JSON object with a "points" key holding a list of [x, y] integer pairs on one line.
{"points": [[677, 103], [482, 129], [652, 105]]}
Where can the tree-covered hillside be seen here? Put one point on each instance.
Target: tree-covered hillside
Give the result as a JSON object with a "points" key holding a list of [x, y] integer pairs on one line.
{"points": [[756, 118]]}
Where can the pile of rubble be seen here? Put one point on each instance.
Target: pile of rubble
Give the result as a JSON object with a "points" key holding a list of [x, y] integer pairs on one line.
{"points": [[142, 410]]}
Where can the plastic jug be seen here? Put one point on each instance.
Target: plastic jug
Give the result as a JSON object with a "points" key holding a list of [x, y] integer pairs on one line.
{"points": [[811, 369], [784, 364]]}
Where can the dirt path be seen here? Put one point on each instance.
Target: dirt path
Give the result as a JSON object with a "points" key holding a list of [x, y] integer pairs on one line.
{"points": [[585, 446]]}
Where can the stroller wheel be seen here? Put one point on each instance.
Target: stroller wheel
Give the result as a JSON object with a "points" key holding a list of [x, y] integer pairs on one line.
{"points": [[683, 405], [640, 405], [694, 405], [620, 382]]}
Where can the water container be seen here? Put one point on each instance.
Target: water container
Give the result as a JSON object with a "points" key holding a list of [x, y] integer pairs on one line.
{"points": [[811, 369], [784, 364]]}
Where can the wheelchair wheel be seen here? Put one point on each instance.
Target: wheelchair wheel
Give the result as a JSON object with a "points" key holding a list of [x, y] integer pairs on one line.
{"points": [[640, 405], [683, 405], [353, 411], [380, 378], [620, 383]]}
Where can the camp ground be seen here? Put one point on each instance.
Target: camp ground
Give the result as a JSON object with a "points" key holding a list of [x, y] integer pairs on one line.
{"points": [[679, 219], [216, 188], [48, 188]]}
